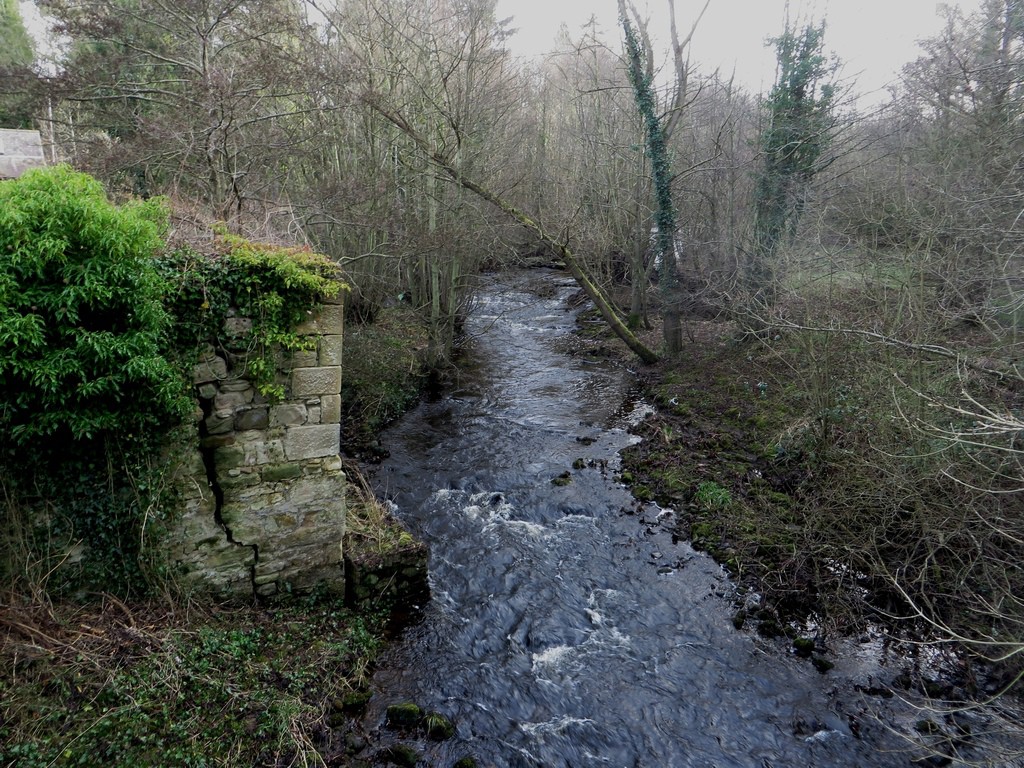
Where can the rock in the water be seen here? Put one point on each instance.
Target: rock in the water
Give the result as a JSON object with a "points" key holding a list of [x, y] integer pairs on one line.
{"points": [[404, 715], [400, 754], [803, 647], [438, 727]]}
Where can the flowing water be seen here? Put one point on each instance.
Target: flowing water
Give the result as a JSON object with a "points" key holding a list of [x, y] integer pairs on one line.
{"points": [[567, 627]]}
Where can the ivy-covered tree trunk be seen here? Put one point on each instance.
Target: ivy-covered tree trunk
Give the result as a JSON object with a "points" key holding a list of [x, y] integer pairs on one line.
{"points": [[797, 136], [661, 173]]}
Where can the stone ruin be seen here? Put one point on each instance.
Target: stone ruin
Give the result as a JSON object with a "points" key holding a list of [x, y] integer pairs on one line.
{"points": [[263, 508]]}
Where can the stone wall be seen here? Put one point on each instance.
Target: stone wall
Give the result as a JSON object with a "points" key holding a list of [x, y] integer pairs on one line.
{"points": [[19, 151], [263, 508]]}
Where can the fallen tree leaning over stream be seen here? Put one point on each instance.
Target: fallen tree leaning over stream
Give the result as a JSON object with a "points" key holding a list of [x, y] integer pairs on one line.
{"points": [[591, 289]]}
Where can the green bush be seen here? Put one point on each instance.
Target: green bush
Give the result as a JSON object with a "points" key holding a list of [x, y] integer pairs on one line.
{"points": [[82, 324], [86, 389], [99, 327]]}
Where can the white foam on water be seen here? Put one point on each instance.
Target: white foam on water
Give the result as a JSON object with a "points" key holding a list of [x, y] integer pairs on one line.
{"points": [[552, 657], [640, 412], [617, 639], [535, 530], [443, 494], [557, 726], [820, 736], [574, 520]]}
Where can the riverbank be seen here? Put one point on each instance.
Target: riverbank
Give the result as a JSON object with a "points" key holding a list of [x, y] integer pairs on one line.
{"points": [[788, 458], [174, 683]]}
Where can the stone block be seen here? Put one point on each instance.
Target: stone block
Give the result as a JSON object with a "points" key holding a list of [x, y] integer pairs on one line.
{"points": [[220, 422], [331, 349], [231, 400], [228, 457], [333, 465], [318, 492], [265, 577], [312, 441], [330, 409], [236, 327], [308, 327], [237, 478], [237, 385], [254, 418], [301, 358], [260, 452], [307, 382], [313, 415], [332, 319], [207, 391], [338, 298], [213, 369], [288, 415], [278, 472]]}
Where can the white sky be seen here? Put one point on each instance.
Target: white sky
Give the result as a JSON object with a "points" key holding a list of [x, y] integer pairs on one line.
{"points": [[873, 38]]}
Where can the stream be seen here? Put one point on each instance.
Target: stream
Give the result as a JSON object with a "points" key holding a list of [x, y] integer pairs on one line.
{"points": [[566, 626]]}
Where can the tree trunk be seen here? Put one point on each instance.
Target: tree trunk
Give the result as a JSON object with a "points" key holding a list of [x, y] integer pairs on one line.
{"points": [[592, 291]]}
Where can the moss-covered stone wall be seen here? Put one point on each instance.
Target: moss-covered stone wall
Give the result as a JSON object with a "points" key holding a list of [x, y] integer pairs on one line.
{"points": [[263, 492]]}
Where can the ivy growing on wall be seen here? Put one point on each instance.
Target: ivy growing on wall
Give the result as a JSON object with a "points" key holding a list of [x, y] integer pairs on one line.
{"points": [[274, 287]]}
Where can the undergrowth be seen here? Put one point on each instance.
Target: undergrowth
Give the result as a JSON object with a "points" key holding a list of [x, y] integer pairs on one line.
{"points": [[819, 469], [183, 685], [384, 375]]}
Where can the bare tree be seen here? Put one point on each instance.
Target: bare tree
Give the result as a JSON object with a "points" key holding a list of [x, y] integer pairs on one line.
{"points": [[205, 96]]}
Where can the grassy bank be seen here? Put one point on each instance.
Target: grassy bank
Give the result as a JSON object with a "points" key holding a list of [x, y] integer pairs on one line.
{"points": [[383, 376], [171, 684]]}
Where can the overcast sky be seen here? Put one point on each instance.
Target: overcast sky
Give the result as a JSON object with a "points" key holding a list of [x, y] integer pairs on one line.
{"points": [[874, 38]]}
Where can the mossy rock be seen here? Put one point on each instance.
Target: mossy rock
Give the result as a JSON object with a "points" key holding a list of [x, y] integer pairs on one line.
{"points": [[438, 727], [465, 762], [803, 647], [400, 754], [643, 493], [822, 664], [404, 715], [563, 479], [353, 701]]}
